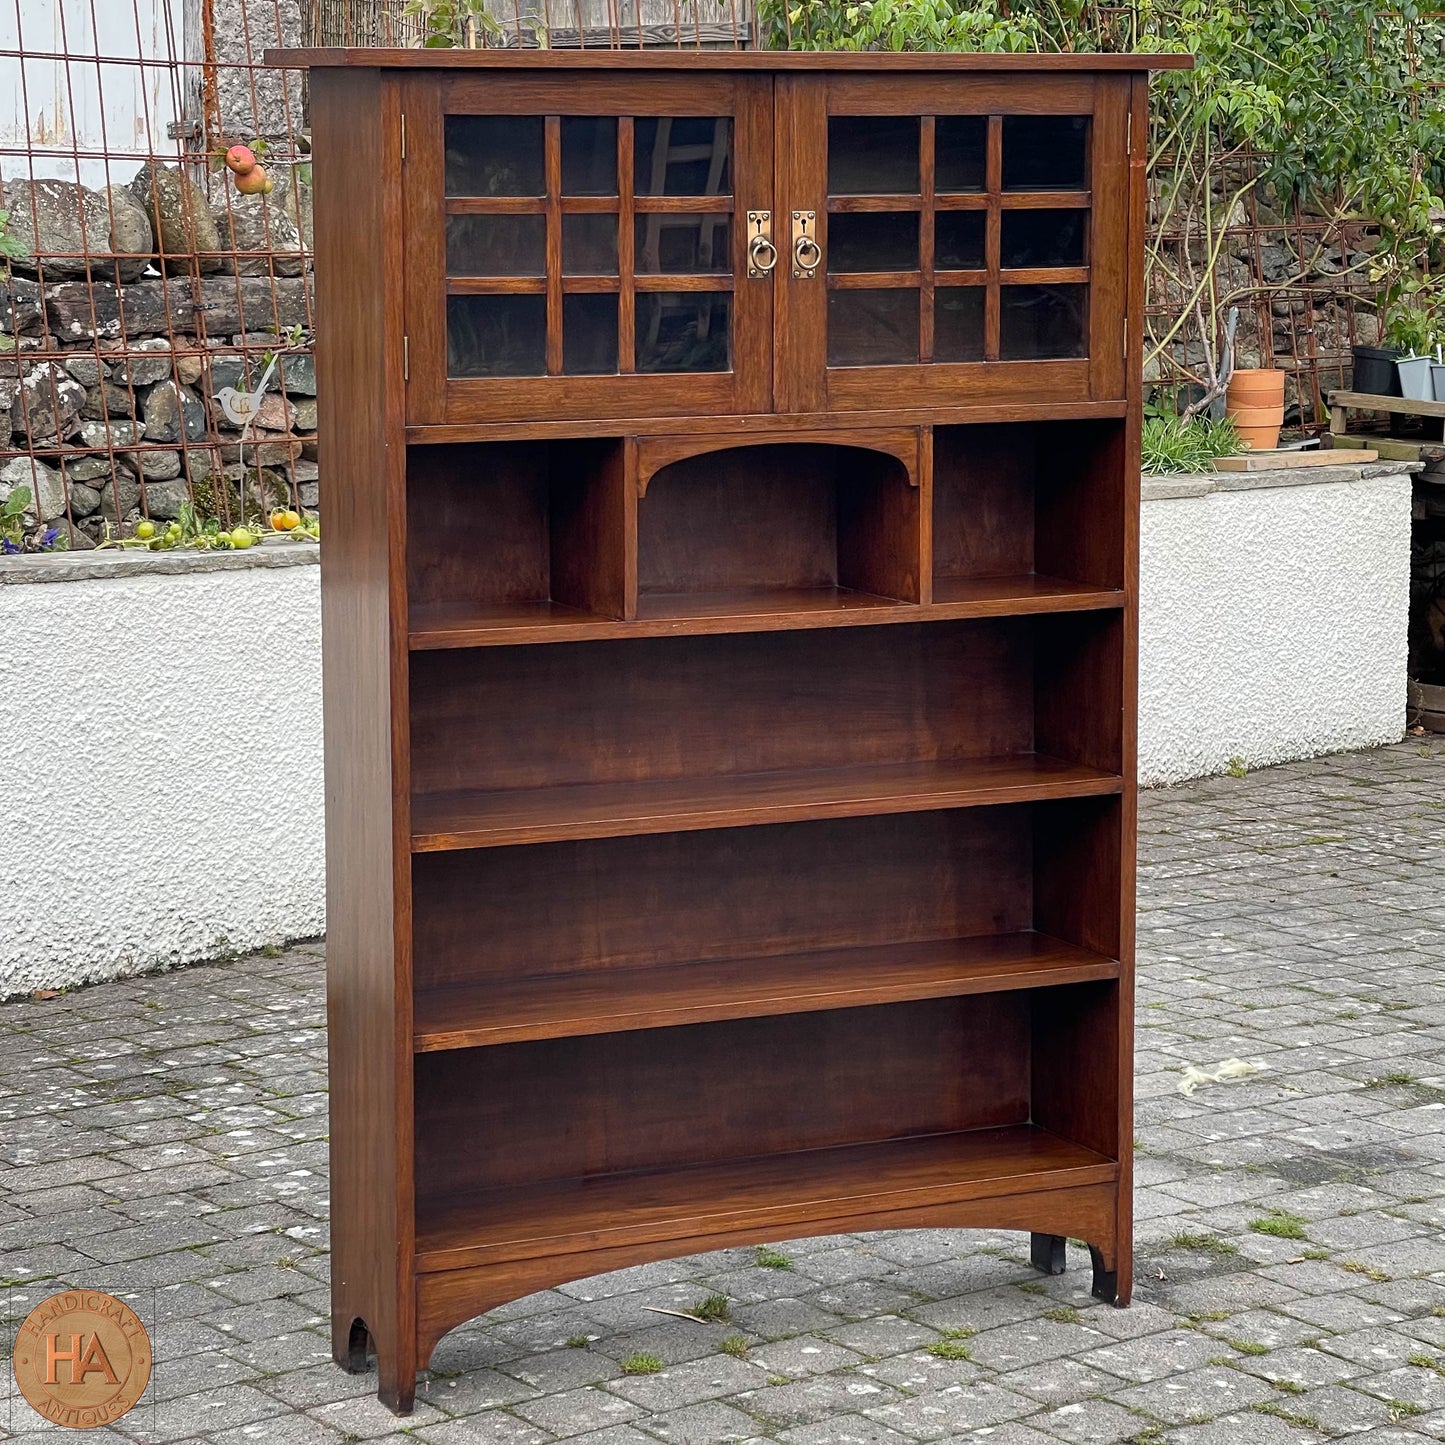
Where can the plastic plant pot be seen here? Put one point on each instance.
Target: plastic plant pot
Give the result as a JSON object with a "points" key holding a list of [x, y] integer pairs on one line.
{"points": [[1375, 371], [1416, 383]]}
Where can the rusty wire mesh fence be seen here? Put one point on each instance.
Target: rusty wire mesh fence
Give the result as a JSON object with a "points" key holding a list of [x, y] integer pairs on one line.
{"points": [[155, 332]]}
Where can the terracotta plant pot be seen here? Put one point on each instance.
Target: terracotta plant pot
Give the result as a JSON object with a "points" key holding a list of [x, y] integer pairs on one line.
{"points": [[1255, 404], [1256, 388], [1258, 426]]}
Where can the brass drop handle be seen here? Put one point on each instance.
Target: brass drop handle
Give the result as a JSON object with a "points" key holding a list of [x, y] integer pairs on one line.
{"points": [[762, 254], [807, 253]]}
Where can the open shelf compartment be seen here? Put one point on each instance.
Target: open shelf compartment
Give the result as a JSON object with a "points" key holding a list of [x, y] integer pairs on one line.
{"points": [[782, 527], [559, 1145], [666, 930], [605, 739], [1029, 510], [515, 536]]}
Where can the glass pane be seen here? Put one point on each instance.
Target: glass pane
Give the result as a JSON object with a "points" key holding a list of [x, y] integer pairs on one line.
{"points": [[589, 245], [589, 155], [958, 241], [494, 155], [1044, 238], [1042, 321], [496, 335], [960, 145], [589, 334], [872, 328], [682, 155], [684, 331], [873, 241], [496, 245], [872, 155], [675, 245], [1045, 152], [958, 323]]}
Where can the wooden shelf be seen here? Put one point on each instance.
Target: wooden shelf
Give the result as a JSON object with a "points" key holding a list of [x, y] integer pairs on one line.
{"points": [[786, 610], [475, 818], [513, 1010], [786, 1190]]}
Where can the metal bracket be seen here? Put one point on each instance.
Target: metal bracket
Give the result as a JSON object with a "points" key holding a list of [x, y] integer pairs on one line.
{"points": [[183, 130]]}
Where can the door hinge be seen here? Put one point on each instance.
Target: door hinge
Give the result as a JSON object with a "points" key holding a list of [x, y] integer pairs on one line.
{"points": [[403, 135], [406, 358]]}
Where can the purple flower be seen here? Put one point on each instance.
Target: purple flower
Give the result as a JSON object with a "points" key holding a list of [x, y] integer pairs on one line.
{"points": [[48, 538], [8, 548]]}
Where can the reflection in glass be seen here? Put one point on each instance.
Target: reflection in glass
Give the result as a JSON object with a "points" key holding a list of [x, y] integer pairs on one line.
{"points": [[1045, 152], [589, 155], [494, 155], [682, 155], [873, 241], [684, 331], [1042, 321], [496, 335], [872, 328], [960, 144], [496, 245], [958, 323], [589, 245], [1043, 238], [675, 244], [589, 334], [872, 155], [958, 241]]}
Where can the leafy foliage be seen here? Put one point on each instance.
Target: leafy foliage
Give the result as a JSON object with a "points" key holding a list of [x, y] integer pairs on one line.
{"points": [[1177, 444], [449, 24]]}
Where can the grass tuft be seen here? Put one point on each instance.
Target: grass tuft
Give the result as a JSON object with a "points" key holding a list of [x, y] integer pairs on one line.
{"points": [[1173, 445], [1281, 1224], [1064, 1315], [734, 1345], [641, 1365], [714, 1307], [1204, 1243], [578, 1342], [769, 1258]]}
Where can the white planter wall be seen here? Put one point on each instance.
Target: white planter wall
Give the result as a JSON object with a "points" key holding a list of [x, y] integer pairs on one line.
{"points": [[160, 743], [1273, 609], [160, 731]]}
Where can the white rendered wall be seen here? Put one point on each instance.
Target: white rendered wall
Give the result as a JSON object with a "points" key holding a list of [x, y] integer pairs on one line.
{"points": [[1272, 618], [160, 735], [160, 744]]}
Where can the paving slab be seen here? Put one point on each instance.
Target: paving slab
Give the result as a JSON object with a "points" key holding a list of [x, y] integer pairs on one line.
{"points": [[164, 1138]]}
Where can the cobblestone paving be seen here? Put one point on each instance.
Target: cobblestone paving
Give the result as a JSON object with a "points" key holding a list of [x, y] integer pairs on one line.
{"points": [[165, 1139]]}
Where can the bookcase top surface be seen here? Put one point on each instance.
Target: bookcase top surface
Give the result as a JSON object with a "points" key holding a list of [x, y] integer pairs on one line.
{"points": [[675, 59]]}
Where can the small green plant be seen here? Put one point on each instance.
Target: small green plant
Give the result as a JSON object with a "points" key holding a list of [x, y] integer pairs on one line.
{"points": [[1249, 1347], [1031, 1286], [449, 24], [1404, 1410], [777, 1379], [714, 1307], [1280, 1224], [1288, 1387], [767, 1257], [1237, 767], [1204, 1243], [734, 1345], [1370, 1271], [1064, 1315], [1415, 315], [578, 1342], [1171, 444], [947, 1349], [1396, 1080], [641, 1365], [1290, 1417], [12, 527]]}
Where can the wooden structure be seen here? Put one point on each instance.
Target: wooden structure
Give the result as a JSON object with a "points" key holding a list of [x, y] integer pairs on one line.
{"points": [[1427, 449], [729, 607]]}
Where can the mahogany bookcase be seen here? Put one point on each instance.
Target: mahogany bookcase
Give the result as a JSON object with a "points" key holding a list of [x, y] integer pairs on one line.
{"points": [[731, 497]]}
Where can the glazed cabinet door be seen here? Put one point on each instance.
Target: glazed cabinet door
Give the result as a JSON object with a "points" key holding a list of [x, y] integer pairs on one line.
{"points": [[951, 240], [578, 246]]}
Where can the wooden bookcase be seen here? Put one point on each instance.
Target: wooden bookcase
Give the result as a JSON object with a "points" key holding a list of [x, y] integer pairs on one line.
{"points": [[729, 613]]}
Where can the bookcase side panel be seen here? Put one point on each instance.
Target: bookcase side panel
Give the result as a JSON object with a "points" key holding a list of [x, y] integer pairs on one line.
{"points": [[364, 660]]}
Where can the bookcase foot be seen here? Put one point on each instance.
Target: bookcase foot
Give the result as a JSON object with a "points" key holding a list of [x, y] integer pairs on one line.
{"points": [[1106, 1281], [397, 1390], [1047, 1252], [351, 1344]]}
